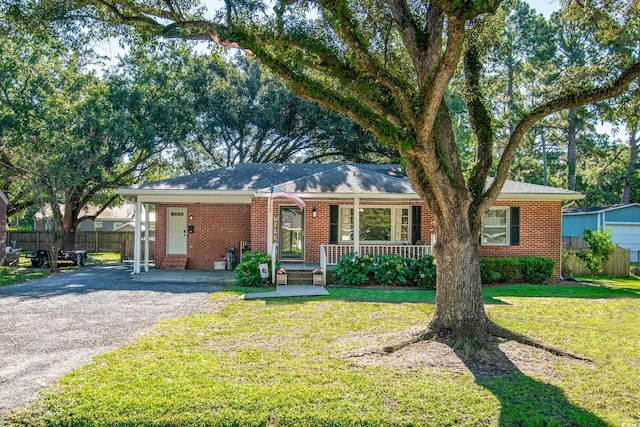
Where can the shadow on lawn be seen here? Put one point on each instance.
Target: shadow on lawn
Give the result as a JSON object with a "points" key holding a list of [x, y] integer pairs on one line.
{"points": [[525, 401]]}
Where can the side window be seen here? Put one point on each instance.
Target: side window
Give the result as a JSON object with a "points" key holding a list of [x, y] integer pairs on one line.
{"points": [[495, 230]]}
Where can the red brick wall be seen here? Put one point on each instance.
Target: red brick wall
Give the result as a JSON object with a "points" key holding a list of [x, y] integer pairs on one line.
{"points": [[540, 232], [216, 228], [220, 226]]}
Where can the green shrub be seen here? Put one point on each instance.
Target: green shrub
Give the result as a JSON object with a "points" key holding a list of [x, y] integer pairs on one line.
{"points": [[423, 272], [537, 269], [247, 273], [353, 269], [385, 270], [534, 269], [391, 269]]}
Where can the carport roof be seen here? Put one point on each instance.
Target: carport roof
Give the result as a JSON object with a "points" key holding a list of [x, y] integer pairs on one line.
{"points": [[310, 179]]}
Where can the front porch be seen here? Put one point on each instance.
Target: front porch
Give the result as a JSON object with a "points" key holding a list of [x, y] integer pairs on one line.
{"points": [[330, 254]]}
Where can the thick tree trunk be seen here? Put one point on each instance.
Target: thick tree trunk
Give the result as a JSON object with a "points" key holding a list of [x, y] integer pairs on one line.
{"points": [[69, 226], [459, 311]]}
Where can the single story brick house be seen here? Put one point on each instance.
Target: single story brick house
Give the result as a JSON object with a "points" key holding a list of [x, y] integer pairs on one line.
{"points": [[313, 213], [4, 202]]}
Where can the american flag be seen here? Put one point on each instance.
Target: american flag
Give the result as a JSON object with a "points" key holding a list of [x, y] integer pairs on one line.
{"points": [[277, 193]]}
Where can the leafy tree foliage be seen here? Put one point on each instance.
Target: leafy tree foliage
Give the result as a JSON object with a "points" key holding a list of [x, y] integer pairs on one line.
{"points": [[243, 114], [66, 140]]}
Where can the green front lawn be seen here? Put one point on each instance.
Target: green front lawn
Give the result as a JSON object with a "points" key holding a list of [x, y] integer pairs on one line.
{"points": [[313, 362], [11, 275]]}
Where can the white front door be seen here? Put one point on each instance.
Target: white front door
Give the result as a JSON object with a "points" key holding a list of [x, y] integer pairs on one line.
{"points": [[176, 231]]}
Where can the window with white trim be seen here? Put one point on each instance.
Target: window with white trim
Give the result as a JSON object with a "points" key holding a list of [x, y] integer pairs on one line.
{"points": [[388, 224], [495, 228]]}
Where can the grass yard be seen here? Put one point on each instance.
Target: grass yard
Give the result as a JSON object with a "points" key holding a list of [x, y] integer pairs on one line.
{"points": [[10, 275], [313, 362]]}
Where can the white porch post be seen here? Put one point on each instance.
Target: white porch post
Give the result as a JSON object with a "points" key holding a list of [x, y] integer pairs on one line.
{"points": [[356, 224], [269, 224], [136, 238], [146, 237], [270, 248]]}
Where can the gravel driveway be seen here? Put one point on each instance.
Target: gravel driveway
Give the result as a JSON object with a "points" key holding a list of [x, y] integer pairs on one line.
{"points": [[50, 326]]}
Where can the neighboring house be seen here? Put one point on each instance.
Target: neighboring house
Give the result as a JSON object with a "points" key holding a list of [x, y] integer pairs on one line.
{"points": [[622, 220], [4, 202], [358, 207], [119, 218]]}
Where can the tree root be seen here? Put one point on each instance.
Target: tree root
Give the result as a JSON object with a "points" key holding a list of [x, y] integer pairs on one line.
{"points": [[493, 332], [500, 332]]}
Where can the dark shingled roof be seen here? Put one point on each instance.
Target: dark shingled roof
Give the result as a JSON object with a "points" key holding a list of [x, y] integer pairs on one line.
{"points": [[316, 178]]}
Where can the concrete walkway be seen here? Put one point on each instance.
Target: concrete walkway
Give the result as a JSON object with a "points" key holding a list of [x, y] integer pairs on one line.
{"points": [[219, 277], [290, 291], [222, 277]]}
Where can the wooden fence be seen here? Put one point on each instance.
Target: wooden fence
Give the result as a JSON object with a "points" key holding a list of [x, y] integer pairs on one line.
{"points": [[617, 267], [92, 241], [126, 250]]}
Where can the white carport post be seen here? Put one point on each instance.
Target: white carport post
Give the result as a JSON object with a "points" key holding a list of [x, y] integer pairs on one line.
{"points": [[356, 225], [136, 238], [270, 235], [146, 236]]}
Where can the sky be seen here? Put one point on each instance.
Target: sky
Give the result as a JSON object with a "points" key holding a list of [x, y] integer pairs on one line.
{"points": [[546, 7]]}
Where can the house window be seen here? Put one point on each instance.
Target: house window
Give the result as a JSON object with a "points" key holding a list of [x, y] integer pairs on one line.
{"points": [[377, 224], [97, 225], [495, 230], [346, 224]]}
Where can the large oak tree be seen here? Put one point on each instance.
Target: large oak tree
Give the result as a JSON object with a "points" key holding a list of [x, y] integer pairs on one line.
{"points": [[386, 64]]}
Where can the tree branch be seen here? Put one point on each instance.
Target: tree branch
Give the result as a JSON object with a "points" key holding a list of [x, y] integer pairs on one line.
{"points": [[570, 100]]}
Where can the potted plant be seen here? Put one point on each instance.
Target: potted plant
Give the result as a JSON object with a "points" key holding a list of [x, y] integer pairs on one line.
{"points": [[281, 276], [318, 277]]}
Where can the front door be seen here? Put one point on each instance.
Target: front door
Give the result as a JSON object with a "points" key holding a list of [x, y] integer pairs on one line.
{"points": [[291, 233], [176, 231]]}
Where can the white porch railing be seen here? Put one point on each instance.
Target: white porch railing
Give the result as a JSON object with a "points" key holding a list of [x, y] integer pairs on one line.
{"points": [[274, 255], [332, 253]]}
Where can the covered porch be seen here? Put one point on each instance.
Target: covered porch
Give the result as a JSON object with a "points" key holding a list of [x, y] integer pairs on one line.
{"points": [[330, 254]]}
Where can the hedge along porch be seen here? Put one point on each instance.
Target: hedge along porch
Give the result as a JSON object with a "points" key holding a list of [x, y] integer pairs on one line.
{"points": [[358, 208]]}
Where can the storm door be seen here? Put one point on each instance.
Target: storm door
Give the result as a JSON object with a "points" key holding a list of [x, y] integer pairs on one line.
{"points": [[291, 233]]}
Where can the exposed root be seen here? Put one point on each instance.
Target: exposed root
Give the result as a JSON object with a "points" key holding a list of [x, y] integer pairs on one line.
{"points": [[480, 345], [424, 336], [500, 332]]}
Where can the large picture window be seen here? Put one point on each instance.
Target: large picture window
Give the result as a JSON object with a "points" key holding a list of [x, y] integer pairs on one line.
{"points": [[495, 230], [377, 224]]}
